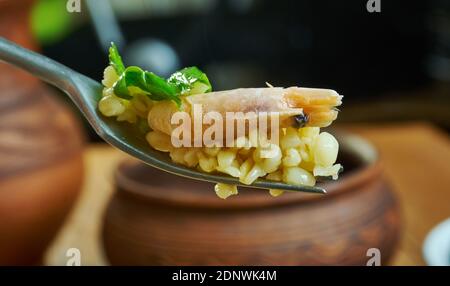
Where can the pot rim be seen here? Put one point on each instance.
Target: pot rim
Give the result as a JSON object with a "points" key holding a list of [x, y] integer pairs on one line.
{"points": [[365, 152]]}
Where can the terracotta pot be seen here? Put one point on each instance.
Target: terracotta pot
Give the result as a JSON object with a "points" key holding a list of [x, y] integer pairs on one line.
{"points": [[159, 219], [40, 153]]}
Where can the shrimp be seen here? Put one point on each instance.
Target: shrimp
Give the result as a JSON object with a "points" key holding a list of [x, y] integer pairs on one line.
{"points": [[294, 105]]}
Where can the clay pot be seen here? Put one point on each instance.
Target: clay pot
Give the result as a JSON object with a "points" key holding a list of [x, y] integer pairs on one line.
{"points": [[40, 153], [156, 218]]}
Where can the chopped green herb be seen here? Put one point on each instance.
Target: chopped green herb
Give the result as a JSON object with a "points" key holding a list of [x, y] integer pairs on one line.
{"points": [[155, 87], [188, 78], [115, 60], [187, 81]]}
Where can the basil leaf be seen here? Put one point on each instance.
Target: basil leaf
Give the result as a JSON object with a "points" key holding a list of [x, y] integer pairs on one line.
{"points": [[187, 81], [115, 60], [188, 78], [155, 87]]}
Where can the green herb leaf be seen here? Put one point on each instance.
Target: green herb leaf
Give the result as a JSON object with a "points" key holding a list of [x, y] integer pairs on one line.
{"points": [[189, 79], [115, 60], [133, 79], [155, 87]]}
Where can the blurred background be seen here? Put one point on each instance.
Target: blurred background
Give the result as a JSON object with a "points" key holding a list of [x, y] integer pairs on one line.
{"points": [[392, 66]]}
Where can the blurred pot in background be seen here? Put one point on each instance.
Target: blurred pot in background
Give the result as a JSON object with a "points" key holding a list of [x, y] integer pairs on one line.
{"points": [[40, 153], [159, 219]]}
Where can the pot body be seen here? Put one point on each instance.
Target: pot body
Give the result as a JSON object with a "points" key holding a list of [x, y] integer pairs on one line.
{"points": [[175, 221], [41, 164]]}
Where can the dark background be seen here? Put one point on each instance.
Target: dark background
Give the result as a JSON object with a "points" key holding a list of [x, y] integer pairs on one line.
{"points": [[390, 66]]}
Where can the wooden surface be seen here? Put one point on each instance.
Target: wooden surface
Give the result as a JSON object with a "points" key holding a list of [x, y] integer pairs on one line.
{"points": [[416, 157]]}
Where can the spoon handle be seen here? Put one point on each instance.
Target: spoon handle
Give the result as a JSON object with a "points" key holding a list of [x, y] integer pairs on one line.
{"points": [[39, 65], [83, 91]]}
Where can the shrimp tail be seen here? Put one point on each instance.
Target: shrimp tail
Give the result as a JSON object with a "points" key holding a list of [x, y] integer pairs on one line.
{"points": [[318, 104]]}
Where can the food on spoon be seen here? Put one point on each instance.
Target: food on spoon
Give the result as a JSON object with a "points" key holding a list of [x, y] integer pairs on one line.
{"points": [[291, 104], [301, 153]]}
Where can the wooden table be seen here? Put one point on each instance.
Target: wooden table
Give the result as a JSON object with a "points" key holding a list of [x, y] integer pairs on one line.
{"points": [[416, 157]]}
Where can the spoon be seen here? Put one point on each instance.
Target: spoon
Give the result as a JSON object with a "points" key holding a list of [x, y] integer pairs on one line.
{"points": [[86, 92]]}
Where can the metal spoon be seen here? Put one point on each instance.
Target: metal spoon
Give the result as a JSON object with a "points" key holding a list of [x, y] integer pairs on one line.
{"points": [[85, 93]]}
